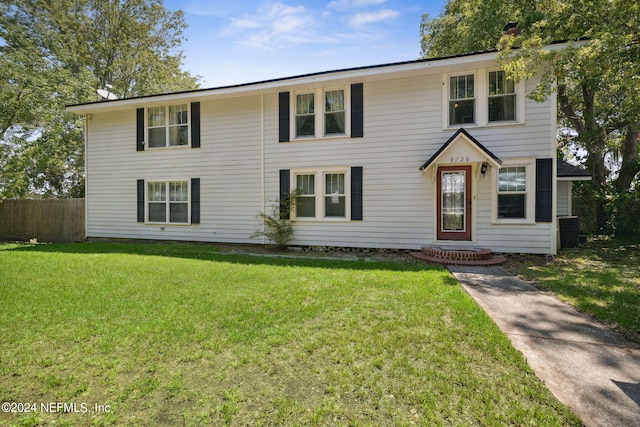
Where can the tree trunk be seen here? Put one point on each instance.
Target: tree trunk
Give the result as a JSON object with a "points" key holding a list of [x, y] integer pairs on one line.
{"points": [[630, 165]]}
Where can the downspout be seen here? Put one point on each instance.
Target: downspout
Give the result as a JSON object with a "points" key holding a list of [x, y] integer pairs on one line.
{"points": [[555, 230], [262, 177], [87, 117]]}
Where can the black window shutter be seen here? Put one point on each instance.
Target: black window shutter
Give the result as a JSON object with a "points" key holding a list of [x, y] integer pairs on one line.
{"points": [[195, 125], [141, 200], [195, 200], [544, 189], [285, 189], [356, 193], [283, 117], [357, 111], [140, 129]]}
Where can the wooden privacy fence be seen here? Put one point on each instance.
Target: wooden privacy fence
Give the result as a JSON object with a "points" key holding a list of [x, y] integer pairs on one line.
{"points": [[60, 220]]}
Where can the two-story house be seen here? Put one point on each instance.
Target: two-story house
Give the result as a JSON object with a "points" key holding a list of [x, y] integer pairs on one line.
{"points": [[443, 151]]}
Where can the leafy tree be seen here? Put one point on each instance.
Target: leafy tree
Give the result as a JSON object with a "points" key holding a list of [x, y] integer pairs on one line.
{"points": [[596, 76], [55, 53]]}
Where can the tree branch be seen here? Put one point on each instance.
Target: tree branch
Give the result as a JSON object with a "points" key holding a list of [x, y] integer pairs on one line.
{"points": [[568, 110]]}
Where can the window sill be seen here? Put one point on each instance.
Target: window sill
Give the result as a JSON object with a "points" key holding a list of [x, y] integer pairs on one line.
{"points": [[321, 220], [320, 138], [512, 222], [171, 147], [484, 125], [168, 224]]}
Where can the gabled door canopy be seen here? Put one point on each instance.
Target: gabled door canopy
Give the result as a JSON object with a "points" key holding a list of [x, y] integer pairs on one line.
{"points": [[476, 153]]}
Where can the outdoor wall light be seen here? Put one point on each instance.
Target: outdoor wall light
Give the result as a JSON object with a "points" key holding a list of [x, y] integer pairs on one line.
{"points": [[483, 168]]}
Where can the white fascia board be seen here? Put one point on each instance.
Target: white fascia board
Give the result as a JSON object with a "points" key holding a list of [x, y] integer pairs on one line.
{"points": [[574, 178]]}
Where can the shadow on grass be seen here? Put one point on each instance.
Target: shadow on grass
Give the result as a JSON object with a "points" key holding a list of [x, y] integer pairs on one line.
{"points": [[601, 278], [214, 253]]}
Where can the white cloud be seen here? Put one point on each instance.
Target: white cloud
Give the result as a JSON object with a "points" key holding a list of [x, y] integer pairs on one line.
{"points": [[348, 4], [271, 25], [363, 18]]}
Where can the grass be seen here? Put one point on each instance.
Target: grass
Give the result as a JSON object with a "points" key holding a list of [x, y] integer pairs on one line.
{"points": [[183, 335], [600, 278]]}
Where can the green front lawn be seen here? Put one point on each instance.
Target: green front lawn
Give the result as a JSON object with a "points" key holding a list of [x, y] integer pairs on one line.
{"points": [[184, 335], [600, 278]]}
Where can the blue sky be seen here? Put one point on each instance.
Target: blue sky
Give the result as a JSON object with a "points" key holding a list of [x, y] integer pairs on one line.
{"points": [[232, 42]]}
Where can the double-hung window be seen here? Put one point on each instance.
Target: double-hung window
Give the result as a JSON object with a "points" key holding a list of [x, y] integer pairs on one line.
{"points": [[306, 199], [512, 192], [502, 97], [320, 113], [305, 114], [334, 195], [168, 202], [462, 102], [321, 195], [168, 126], [334, 112]]}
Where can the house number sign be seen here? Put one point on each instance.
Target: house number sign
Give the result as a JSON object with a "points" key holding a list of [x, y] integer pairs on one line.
{"points": [[460, 159]]}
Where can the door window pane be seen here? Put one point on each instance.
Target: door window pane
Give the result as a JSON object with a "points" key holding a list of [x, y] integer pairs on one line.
{"points": [[453, 201]]}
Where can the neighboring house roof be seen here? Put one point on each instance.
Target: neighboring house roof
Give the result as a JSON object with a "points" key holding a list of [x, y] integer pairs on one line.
{"points": [[471, 140], [568, 172]]}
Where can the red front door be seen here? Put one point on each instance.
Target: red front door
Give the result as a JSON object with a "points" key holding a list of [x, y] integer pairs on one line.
{"points": [[454, 203]]}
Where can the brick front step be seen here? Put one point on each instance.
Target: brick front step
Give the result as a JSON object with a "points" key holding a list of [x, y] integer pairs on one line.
{"points": [[458, 256]]}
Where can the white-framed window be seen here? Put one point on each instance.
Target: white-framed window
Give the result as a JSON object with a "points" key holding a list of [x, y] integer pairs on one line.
{"points": [[168, 202], [334, 112], [502, 97], [323, 194], [305, 114], [462, 100], [482, 97], [512, 192], [321, 112], [335, 196], [168, 126], [306, 200]]}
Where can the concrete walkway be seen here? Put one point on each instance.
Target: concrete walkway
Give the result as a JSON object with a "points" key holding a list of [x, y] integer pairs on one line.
{"points": [[585, 365]]}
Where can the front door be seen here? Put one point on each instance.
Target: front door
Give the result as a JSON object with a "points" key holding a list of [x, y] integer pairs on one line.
{"points": [[454, 203]]}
